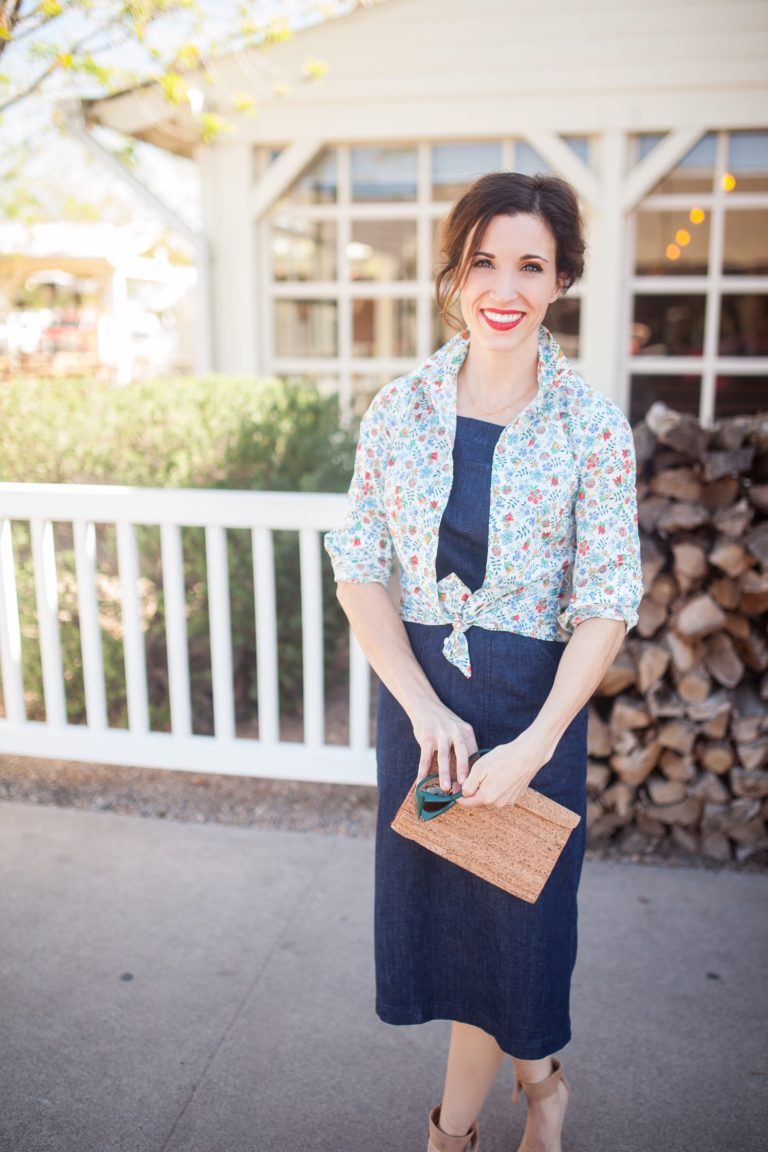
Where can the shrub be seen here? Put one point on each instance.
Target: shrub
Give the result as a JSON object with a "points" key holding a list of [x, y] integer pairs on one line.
{"points": [[212, 432]]}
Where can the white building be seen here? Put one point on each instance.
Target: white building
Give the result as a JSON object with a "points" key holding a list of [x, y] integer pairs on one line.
{"points": [[321, 210]]}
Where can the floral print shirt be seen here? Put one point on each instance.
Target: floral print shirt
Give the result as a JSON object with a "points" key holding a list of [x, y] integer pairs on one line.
{"points": [[563, 543]]}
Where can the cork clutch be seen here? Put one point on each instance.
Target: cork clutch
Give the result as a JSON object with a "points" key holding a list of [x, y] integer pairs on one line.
{"points": [[515, 847]]}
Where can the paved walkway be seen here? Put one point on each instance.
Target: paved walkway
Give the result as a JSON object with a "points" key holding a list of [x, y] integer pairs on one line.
{"points": [[169, 987]]}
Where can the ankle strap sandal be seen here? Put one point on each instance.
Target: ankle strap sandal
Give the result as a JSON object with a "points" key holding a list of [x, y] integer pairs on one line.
{"points": [[542, 1088], [440, 1141]]}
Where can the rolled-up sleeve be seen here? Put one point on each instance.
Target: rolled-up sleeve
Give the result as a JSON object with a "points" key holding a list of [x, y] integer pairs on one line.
{"points": [[361, 549], [606, 577]]}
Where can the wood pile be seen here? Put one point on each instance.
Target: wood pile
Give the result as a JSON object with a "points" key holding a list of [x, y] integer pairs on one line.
{"points": [[678, 734]]}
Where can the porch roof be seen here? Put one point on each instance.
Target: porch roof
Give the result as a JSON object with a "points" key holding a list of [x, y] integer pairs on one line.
{"points": [[442, 68]]}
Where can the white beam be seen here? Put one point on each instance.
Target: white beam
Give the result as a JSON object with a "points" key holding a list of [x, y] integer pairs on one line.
{"points": [[564, 160], [661, 160], [281, 173], [602, 330]]}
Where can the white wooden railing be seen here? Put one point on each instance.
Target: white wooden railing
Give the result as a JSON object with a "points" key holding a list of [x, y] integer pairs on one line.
{"points": [[83, 507]]}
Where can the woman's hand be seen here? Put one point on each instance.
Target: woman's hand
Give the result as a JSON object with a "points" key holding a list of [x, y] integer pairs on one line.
{"points": [[438, 730], [501, 776]]}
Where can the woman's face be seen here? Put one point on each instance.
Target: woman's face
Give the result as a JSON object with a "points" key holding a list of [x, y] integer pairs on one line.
{"points": [[511, 281]]}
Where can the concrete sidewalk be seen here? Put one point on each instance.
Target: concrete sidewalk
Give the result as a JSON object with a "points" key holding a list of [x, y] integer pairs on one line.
{"points": [[169, 987]]}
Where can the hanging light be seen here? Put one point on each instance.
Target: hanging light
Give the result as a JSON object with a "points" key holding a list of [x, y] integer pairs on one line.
{"points": [[673, 252], [682, 237], [697, 216], [728, 182]]}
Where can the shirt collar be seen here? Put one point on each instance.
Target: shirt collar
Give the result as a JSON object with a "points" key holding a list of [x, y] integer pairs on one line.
{"points": [[440, 372]]}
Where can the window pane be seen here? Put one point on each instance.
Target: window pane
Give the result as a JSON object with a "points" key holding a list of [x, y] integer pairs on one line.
{"points": [[319, 184], [562, 319], [695, 172], [748, 160], [437, 255], [303, 249], [679, 392], [455, 166], [383, 328], [383, 250], [441, 332], [579, 145], [384, 174], [646, 142], [527, 161], [669, 325], [672, 243], [306, 327], [745, 251], [740, 395], [744, 327]]}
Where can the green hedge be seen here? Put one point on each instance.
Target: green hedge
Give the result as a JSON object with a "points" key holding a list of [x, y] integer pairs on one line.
{"points": [[212, 432]]}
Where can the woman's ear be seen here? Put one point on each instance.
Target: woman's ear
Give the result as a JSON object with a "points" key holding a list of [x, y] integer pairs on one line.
{"points": [[560, 289]]}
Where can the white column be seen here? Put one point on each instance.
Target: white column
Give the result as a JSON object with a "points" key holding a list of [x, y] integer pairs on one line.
{"points": [[227, 176], [602, 327]]}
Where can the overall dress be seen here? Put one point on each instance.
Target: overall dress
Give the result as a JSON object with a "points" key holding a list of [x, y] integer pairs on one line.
{"points": [[448, 945]]}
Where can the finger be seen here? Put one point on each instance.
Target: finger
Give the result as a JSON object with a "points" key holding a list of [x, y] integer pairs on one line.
{"points": [[474, 779], [444, 753], [425, 761], [462, 761]]}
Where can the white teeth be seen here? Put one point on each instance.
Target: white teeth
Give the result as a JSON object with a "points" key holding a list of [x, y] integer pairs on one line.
{"points": [[502, 317]]}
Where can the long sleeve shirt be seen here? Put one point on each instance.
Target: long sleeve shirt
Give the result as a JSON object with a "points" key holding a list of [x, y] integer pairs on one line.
{"points": [[563, 543]]}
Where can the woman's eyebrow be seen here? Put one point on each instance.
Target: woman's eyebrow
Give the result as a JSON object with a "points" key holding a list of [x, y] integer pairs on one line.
{"points": [[527, 256]]}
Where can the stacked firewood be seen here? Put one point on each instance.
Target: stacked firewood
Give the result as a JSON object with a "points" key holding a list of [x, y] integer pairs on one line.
{"points": [[678, 737]]}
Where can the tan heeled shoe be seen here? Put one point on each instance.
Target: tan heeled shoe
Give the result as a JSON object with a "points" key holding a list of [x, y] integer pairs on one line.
{"points": [[541, 1089], [440, 1141]]}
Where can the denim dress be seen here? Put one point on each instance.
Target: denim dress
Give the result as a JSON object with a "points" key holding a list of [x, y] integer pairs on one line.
{"points": [[448, 945]]}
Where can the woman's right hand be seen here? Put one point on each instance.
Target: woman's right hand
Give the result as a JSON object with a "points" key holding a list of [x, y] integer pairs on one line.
{"points": [[440, 731], [384, 640]]}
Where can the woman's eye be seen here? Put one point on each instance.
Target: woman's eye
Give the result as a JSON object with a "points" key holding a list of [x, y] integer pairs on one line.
{"points": [[532, 267], [482, 262]]}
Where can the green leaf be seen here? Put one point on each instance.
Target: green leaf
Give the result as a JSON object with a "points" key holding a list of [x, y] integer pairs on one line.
{"points": [[314, 69], [174, 87], [212, 125], [243, 102]]}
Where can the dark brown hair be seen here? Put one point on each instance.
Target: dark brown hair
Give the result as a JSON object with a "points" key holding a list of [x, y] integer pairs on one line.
{"points": [[508, 194]]}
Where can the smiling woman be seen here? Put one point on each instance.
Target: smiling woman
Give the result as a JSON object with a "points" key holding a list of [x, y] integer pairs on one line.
{"points": [[504, 487]]}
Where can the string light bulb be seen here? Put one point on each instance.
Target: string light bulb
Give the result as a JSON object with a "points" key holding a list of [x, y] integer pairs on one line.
{"points": [[682, 237], [697, 216], [728, 182], [673, 252]]}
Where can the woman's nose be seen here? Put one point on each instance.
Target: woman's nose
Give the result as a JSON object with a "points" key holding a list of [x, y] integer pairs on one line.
{"points": [[506, 286]]}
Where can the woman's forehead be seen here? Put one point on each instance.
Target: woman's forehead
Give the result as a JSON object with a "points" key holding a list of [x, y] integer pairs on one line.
{"points": [[512, 232]]}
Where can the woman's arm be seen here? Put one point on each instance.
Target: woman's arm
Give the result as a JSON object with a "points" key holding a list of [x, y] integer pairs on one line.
{"points": [[503, 774], [384, 640]]}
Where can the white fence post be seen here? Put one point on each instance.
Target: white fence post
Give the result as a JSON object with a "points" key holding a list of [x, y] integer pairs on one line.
{"points": [[312, 636], [10, 630], [47, 592], [174, 597], [221, 635], [266, 636], [90, 632], [133, 635]]}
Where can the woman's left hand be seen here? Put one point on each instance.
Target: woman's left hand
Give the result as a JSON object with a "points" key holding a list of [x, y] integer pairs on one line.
{"points": [[502, 775]]}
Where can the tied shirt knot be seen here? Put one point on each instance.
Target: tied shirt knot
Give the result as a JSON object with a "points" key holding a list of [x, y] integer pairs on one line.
{"points": [[460, 608]]}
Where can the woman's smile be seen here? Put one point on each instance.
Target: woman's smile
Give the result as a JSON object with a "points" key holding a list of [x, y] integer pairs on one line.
{"points": [[501, 321]]}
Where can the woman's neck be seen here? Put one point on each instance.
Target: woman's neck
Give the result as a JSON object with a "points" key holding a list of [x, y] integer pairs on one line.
{"points": [[495, 386]]}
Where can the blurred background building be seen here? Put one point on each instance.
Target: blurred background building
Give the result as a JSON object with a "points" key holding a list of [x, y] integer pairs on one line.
{"points": [[321, 211]]}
